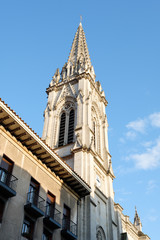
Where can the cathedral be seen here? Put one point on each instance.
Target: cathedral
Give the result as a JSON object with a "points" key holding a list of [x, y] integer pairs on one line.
{"points": [[60, 186]]}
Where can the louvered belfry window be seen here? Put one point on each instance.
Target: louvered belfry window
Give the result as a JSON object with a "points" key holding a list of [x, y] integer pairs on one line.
{"points": [[71, 126], [62, 130], [94, 133]]}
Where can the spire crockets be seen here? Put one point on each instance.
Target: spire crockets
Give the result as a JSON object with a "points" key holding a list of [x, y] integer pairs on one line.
{"points": [[137, 221], [79, 51], [78, 61]]}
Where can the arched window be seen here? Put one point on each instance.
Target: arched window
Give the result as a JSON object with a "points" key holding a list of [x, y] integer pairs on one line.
{"points": [[99, 235], [71, 126], [62, 130]]}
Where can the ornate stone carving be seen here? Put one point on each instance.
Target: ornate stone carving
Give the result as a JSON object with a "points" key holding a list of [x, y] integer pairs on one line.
{"points": [[99, 236]]}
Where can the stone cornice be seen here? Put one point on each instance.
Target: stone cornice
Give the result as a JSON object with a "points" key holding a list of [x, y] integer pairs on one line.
{"points": [[74, 79], [89, 150], [8, 116]]}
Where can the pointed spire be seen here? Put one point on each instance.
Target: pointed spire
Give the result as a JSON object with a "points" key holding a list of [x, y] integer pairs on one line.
{"points": [[137, 221], [79, 51]]}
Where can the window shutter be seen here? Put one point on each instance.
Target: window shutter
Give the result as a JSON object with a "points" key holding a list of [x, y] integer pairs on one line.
{"points": [[94, 133], [71, 127], [62, 130]]}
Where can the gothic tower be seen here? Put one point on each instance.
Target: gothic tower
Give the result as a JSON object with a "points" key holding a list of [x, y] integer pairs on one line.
{"points": [[76, 127]]}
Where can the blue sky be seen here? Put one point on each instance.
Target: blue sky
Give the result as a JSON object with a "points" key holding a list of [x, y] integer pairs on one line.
{"points": [[124, 44]]}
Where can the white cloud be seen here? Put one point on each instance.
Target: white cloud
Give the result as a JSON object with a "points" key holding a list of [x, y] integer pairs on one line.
{"points": [[152, 215], [131, 135], [122, 140], [141, 125], [121, 170], [149, 159], [123, 191], [151, 185], [155, 119], [152, 218], [147, 144], [137, 126]]}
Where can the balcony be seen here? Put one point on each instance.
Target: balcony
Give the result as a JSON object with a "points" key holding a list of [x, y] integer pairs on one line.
{"points": [[8, 184], [52, 217], [35, 205], [69, 229]]}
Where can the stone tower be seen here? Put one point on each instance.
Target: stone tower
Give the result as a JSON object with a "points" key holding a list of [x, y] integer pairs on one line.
{"points": [[76, 127]]}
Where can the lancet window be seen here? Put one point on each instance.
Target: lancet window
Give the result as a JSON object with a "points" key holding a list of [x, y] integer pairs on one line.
{"points": [[66, 129], [95, 130], [62, 129]]}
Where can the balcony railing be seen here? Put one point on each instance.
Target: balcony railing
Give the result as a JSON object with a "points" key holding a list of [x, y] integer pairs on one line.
{"points": [[53, 213], [35, 205], [34, 198], [8, 182], [52, 217], [69, 225]]}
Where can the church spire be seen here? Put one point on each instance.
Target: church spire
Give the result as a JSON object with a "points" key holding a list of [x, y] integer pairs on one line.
{"points": [[137, 221], [79, 51], [78, 61]]}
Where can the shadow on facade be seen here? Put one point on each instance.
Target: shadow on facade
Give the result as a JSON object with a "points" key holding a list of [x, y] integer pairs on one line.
{"points": [[34, 204]]}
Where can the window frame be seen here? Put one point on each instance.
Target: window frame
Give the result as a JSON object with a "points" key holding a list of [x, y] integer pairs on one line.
{"points": [[47, 234], [2, 207], [27, 222]]}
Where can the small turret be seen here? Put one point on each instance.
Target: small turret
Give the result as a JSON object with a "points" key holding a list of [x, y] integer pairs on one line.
{"points": [[137, 221]]}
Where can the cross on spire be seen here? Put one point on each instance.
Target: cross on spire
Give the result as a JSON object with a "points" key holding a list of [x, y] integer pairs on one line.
{"points": [[80, 18]]}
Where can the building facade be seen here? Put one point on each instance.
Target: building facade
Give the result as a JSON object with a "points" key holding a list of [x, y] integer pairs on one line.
{"points": [[69, 170]]}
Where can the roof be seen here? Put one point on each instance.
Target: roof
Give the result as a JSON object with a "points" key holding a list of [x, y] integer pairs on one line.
{"points": [[23, 133]]}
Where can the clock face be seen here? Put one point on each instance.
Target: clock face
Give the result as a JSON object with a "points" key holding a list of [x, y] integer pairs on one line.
{"points": [[98, 181]]}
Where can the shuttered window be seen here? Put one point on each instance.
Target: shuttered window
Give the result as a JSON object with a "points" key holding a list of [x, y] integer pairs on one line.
{"points": [[62, 130], [94, 133], [71, 126]]}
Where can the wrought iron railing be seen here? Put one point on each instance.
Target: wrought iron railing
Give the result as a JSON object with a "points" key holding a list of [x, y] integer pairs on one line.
{"points": [[69, 225], [53, 213], [34, 198], [8, 179]]}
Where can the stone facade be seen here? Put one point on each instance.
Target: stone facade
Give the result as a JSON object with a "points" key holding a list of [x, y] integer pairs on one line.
{"points": [[26, 212], [72, 162]]}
